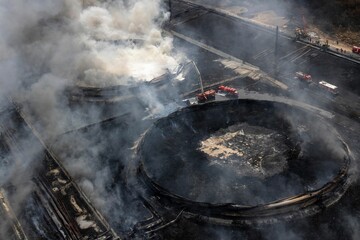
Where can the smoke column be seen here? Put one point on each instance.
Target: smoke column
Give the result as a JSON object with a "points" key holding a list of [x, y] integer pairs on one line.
{"points": [[47, 46]]}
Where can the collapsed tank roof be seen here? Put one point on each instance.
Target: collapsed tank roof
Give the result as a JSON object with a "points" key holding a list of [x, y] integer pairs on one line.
{"points": [[245, 152]]}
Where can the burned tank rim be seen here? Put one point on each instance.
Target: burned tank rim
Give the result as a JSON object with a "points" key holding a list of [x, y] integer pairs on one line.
{"points": [[111, 93], [306, 203]]}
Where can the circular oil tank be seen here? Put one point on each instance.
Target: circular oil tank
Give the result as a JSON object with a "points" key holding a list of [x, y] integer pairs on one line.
{"points": [[241, 160]]}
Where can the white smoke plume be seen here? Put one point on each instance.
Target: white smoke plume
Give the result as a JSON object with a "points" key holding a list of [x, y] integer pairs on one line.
{"points": [[47, 46], [137, 22]]}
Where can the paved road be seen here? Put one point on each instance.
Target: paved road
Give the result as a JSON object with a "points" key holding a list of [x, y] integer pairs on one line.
{"points": [[256, 46]]}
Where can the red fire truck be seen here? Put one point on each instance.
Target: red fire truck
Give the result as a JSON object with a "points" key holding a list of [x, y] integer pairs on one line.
{"points": [[304, 77], [229, 91], [356, 49]]}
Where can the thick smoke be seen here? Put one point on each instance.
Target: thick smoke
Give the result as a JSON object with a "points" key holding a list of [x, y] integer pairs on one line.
{"points": [[150, 58], [49, 46]]}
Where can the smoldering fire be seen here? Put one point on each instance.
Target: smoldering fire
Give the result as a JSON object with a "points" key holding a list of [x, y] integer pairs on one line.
{"points": [[68, 168]]}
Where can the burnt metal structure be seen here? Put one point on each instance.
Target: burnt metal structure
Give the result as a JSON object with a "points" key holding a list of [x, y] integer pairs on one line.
{"points": [[64, 207], [109, 94], [184, 130], [9, 219]]}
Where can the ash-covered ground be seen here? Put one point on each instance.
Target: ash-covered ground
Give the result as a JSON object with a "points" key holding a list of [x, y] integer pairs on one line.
{"points": [[51, 46], [249, 155]]}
